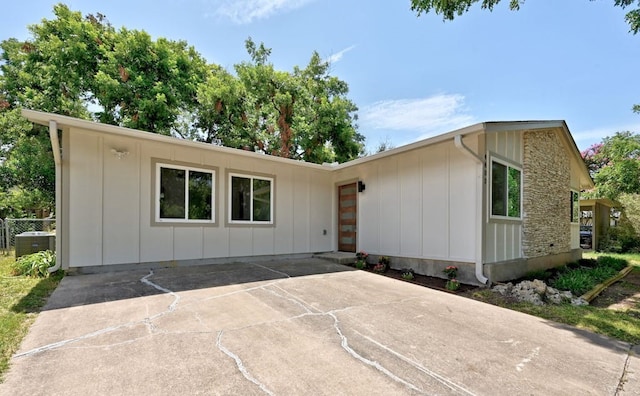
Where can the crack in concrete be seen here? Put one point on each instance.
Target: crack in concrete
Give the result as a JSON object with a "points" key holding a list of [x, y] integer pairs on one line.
{"points": [[176, 297], [271, 269], [293, 299], [146, 321], [62, 343], [623, 376], [240, 365], [345, 345], [528, 359], [440, 378]]}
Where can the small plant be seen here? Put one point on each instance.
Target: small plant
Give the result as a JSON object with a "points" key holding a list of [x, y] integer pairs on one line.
{"points": [[34, 265], [380, 268], [452, 284], [361, 259], [407, 274], [383, 264], [362, 256], [451, 271]]}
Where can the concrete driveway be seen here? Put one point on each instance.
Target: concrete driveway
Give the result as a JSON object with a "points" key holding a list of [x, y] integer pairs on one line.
{"points": [[300, 327]]}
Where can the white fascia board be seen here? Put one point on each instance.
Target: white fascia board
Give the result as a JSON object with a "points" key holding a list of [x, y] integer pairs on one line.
{"points": [[413, 146]]}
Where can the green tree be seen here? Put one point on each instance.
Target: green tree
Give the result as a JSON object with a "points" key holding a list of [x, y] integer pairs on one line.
{"points": [[304, 114], [615, 165], [145, 84]]}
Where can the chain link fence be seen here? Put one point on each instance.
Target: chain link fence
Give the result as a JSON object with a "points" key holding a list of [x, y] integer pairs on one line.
{"points": [[3, 240], [12, 227]]}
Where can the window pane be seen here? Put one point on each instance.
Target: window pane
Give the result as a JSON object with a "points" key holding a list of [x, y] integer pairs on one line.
{"points": [[200, 184], [261, 200], [514, 192], [240, 198], [172, 193], [498, 189]]}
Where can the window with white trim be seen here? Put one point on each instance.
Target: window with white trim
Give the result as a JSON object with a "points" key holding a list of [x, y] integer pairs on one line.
{"points": [[575, 207], [506, 190], [184, 194], [250, 199]]}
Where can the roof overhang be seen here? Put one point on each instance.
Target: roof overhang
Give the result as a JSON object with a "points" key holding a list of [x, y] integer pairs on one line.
{"points": [[601, 201], [65, 122]]}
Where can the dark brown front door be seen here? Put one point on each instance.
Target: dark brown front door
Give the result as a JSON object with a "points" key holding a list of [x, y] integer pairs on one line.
{"points": [[347, 219]]}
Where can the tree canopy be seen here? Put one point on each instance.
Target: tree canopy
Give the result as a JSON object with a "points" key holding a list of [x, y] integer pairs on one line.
{"points": [[615, 165], [451, 8], [82, 66]]}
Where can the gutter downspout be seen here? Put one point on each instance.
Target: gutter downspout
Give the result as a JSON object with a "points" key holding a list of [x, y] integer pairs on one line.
{"points": [[457, 141], [55, 146]]}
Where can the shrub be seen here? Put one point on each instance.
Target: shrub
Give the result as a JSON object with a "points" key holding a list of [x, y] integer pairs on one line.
{"points": [[34, 265], [407, 274], [612, 262], [620, 239]]}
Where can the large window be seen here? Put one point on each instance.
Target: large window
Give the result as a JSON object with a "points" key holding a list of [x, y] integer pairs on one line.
{"points": [[184, 194], [575, 207], [250, 199], [506, 190]]}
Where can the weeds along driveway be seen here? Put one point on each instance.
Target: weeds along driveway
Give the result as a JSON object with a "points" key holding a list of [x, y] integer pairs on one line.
{"points": [[295, 327]]}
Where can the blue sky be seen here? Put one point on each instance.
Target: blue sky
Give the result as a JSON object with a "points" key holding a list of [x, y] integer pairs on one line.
{"points": [[414, 77]]}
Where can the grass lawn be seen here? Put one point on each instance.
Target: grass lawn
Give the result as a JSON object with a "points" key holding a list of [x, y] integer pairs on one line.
{"points": [[21, 299], [621, 324]]}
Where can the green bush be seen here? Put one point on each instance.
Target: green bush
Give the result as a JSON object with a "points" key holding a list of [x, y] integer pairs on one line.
{"points": [[620, 239], [612, 262], [581, 280], [34, 265]]}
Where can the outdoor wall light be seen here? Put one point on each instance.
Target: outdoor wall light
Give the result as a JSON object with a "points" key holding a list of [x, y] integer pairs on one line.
{"points": [[361, 186], [119, 154]]}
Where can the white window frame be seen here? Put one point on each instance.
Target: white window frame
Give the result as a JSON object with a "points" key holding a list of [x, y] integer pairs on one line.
{"points": [[251, 178], [186, 220], [508, 165]]}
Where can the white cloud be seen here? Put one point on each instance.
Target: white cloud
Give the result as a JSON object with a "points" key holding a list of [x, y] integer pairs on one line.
{"points": [[333, 58], [422, 118], [247, 11], [585, 138]]}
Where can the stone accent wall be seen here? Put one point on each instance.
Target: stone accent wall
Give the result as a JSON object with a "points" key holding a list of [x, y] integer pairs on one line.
{"points": [[546, 180]]}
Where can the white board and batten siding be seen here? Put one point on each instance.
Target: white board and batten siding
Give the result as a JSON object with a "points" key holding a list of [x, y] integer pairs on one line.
{"points": [[503, 239], [111, 200], [417, 204]]}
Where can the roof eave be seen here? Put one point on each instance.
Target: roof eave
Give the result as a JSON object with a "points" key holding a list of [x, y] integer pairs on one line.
{"points": [[44, 118]]}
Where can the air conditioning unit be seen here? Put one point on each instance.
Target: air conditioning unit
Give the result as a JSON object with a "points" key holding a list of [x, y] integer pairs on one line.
{"points": [[34, 241]]}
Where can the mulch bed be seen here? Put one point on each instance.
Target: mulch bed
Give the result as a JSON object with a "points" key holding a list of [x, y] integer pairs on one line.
{"points": [[426, 281]]}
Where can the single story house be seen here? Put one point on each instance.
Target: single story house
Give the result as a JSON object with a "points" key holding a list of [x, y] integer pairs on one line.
{"points": [[496, 199]]}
